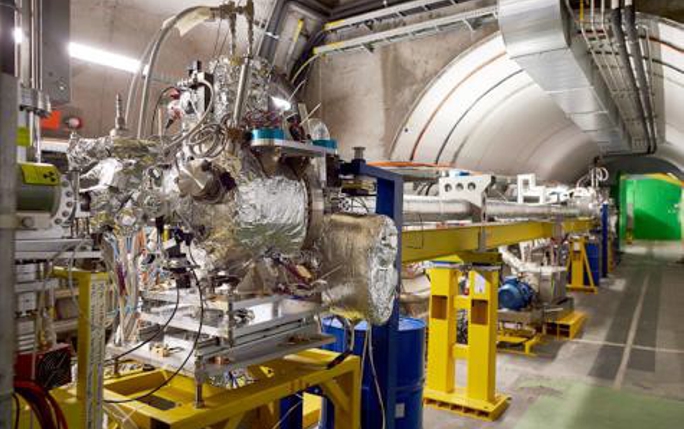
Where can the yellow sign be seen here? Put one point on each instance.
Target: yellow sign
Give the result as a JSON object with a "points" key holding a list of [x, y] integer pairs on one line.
{"points": [[39, 174]]}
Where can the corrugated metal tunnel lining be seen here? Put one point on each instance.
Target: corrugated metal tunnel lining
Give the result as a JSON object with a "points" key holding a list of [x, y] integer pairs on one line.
{"points": [[482, 112]]}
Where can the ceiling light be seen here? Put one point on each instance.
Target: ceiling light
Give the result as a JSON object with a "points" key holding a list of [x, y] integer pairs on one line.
{"points": [[18, 35], [281, 104], [104, 58]]}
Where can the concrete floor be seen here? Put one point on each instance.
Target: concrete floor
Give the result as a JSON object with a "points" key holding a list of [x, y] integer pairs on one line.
{"points": [[625, 371]]}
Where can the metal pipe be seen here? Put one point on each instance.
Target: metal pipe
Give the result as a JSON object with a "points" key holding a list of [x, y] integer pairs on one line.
{"points": [[509, 210], [154, 54], [620, 43], [419, 208], [8, 177], [637, 56], [36, 74], [135, 79], [241, 94]]}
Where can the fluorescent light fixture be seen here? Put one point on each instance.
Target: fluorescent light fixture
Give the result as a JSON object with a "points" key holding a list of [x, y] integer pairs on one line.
{"points": [[104, 58], [18, 35], [281, 104]]}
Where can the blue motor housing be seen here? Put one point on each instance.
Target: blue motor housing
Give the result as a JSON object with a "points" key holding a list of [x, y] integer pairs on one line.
{"points": [[515, 294]]}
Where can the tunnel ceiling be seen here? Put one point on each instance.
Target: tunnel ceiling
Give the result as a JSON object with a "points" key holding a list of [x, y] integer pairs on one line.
{"points": [[484, 113]]}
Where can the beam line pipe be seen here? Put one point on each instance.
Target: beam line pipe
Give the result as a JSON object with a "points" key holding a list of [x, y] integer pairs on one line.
{"points": [[419, 208], [504, 209]]}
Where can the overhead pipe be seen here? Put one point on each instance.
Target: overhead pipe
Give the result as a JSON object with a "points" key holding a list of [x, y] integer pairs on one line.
{"points": [[637, 55], [540, 37], [621, 43]]}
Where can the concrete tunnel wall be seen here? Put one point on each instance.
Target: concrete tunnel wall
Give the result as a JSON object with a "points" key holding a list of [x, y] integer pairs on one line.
{"points": [[458, 99], [495, 120]]}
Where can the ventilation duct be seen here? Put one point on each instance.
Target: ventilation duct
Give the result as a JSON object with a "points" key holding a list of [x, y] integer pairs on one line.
{"points": [[540, 35]]}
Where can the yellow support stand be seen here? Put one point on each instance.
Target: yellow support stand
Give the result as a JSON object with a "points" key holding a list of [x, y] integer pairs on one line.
{"points": [[567, 327], [518, 341], [578, 265], [478, 397], [254, 405]]}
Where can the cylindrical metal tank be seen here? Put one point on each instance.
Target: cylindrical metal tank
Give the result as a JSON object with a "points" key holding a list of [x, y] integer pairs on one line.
{"points": [[38, 188], [410, 377], [593, 249]]}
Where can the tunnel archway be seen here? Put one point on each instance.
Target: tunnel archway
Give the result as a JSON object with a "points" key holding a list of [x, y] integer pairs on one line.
{"points": [[484, 113]]}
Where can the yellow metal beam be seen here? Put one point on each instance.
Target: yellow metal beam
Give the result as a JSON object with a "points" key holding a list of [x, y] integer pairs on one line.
{"points": [[290, 375], [430, 244]]}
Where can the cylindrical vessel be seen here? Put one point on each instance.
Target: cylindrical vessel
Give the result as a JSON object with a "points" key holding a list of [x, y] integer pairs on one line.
{"points": [[37, 197], [410, 376], [358, 262], [593, 249]]}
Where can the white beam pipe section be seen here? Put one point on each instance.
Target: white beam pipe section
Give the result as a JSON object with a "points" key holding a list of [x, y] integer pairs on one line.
{"points": [[418, 208]]}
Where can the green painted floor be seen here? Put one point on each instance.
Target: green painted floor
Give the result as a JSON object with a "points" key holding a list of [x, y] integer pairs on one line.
{"points": [[571, 405]]}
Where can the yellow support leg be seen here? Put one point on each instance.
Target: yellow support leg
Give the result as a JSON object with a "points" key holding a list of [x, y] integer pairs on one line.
{"points": [[92, 320], [478, 398]]}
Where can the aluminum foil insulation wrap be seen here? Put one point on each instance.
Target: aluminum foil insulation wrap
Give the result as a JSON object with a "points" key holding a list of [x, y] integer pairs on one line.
{"points": [[113, 170], [85, 152], [226, 77], [262, 215], [358, 262]]}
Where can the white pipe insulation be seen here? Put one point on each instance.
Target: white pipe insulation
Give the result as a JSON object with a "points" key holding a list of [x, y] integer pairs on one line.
{"points": [[419, 208]]}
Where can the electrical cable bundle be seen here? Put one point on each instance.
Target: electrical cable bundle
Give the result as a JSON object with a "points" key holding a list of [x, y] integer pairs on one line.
{"points": [[43, 405], [182, 365], [159, 331]]}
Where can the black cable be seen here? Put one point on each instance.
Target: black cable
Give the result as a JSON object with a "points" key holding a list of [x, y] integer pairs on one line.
{"points": [[17, 405], [428, 188], [180, 368], [349, 350], [156, 334]]}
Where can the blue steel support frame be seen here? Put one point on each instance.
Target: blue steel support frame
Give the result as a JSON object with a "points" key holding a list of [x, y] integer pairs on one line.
{"points": [[605, 242], [291, 409], [389, 202]]}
